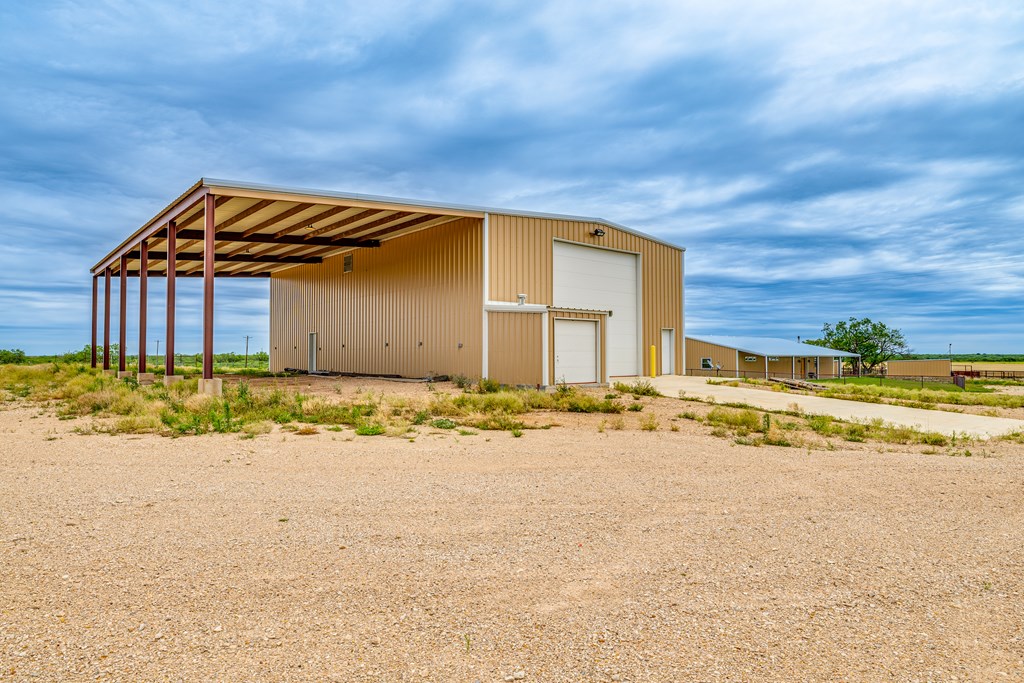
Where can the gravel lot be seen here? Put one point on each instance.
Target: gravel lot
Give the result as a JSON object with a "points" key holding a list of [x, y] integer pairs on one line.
{"points": [[564, 555]]}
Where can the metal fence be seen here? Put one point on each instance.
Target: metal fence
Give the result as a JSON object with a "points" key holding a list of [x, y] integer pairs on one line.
{"points": [[753, 374]]}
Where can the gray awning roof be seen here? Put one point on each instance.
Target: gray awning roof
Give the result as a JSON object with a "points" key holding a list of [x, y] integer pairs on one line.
{"points": [[771, 346]]}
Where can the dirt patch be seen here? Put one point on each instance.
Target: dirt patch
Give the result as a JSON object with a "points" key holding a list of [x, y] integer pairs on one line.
{"points": [[567, 554]]}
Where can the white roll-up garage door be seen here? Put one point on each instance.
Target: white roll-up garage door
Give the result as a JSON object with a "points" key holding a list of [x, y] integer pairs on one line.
{"points": [[600, 279], [576, 351]]}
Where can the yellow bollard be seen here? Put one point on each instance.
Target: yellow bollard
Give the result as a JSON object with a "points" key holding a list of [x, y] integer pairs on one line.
{"points": [[654, 360]]}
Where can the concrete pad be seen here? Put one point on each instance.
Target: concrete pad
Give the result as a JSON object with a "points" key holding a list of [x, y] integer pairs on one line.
{"points": [[121, 374], [928, 420], [172, 379], [110, 372], [212, 387], [145, 377]]}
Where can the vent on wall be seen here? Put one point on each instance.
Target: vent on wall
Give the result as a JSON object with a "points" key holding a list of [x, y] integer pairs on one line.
{"points": [[347, 263]]}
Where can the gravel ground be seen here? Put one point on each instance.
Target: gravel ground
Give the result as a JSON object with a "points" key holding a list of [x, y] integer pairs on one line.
{"points": [[564, 555]]}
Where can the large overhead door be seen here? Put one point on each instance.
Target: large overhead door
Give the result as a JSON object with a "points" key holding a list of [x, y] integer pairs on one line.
{"points": [[575, 351], [600, 279]]}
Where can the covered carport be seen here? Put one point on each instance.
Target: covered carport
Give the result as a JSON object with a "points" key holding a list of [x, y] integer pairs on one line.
{"points": [[226, 229]]}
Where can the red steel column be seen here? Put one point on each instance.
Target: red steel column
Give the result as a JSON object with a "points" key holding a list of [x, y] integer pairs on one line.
{"points": [[143, 291], [95, 305], [122, 340], [106, 318], [172, 245], [208, 248]]}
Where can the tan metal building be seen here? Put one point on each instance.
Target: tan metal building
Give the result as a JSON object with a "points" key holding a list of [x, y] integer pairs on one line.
{"points": [[933, 367], [379, 285], [761, 357]]}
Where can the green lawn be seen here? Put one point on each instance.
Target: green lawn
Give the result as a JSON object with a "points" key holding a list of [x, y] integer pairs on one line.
{"points": [[910, 384]]}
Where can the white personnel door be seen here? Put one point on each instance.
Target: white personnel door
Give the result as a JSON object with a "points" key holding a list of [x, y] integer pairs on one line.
{"points": [[576, 351], [668, 352], [600, 279]]}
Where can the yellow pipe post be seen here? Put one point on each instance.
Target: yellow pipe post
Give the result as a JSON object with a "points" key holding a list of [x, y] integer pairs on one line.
{"points": [[654, 360]]}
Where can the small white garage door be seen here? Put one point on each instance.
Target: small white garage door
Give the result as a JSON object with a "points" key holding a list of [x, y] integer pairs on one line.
{"points": [[603, 280], [575, 351]]}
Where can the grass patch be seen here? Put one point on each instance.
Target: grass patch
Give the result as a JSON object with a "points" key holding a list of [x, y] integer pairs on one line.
{"points": [[640, 387]]}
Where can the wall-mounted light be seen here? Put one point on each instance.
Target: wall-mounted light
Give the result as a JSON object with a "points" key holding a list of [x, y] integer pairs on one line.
{"points": [[598, 232]]}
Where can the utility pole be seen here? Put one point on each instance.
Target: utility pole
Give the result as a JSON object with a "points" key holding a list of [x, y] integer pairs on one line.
{"points": [[950, 353], [157, 347], [247, 338]]}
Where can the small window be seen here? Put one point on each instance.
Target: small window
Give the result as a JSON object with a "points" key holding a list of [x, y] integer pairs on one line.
{"points": [[347, 263], [706, 364], [750, 359]]}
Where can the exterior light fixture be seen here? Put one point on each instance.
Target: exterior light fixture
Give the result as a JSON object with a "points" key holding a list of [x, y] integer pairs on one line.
{"points": [[598, 232]]}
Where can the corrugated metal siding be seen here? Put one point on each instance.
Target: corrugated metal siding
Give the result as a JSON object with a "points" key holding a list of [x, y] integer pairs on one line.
{"points": [[602, 335], [521, 261], [937, 367], [695, 350], [515, 354], [403, 310]]}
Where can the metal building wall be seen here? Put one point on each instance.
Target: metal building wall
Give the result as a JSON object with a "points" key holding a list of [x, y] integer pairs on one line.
{"points": [[521, 261], [696, 349], [515, 353], [937, 367], [404, 309]]}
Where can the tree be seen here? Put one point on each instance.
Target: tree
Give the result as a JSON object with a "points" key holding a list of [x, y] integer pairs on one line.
{"points": [[875, 342]]}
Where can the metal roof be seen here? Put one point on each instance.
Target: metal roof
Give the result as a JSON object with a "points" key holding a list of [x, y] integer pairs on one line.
{"points": [[263, 210], [422, 203], [771, 346]]}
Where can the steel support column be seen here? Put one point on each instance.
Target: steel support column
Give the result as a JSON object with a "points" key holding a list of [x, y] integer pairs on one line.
{"points": [[106, 318], [143, 292], [208, 265], [172, 245], [122, 322], [95, 305]]}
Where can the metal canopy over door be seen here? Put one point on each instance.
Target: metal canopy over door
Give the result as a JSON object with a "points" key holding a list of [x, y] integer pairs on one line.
{"points": [[576, 351], [312, 352], [668, 352], [602, 280]]}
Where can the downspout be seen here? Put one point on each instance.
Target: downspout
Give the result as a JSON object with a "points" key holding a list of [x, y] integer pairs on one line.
{"points": [[487, 292]]}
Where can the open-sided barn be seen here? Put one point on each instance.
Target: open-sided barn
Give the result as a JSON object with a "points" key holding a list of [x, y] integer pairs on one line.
{"points": [[380, 285]]}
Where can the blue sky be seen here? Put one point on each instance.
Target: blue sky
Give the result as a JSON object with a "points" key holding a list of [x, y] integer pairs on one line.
{"points": [[818, 160]]}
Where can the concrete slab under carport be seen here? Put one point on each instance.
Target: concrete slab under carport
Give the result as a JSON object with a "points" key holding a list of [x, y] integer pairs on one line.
{"points": [[940, 421]]}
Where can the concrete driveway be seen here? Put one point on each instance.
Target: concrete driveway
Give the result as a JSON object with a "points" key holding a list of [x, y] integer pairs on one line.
{"points": [[928, 420]]}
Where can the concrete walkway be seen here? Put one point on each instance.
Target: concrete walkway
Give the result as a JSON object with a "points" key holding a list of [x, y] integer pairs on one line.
{"points": [[928, 420]]}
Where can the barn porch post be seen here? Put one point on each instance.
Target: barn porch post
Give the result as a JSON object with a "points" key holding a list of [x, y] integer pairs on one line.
{"points": [[106, 319], [172, 264], [95, 304], [208, 384], [142, 375], [122, 322]]}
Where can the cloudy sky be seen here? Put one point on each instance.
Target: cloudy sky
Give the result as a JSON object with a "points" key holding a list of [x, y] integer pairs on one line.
{"points": [[817, 159]]}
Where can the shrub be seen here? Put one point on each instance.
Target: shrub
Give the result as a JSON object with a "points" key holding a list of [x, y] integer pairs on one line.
{"points": [[737, 419], [12, 356], [640, 387], [649, 423], [444, 423], [462, 382], [488, 386], [370, 429]]}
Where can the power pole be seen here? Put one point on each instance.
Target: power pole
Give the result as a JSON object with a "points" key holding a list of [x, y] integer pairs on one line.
{"points": [[247, 338], [158, 347]]}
